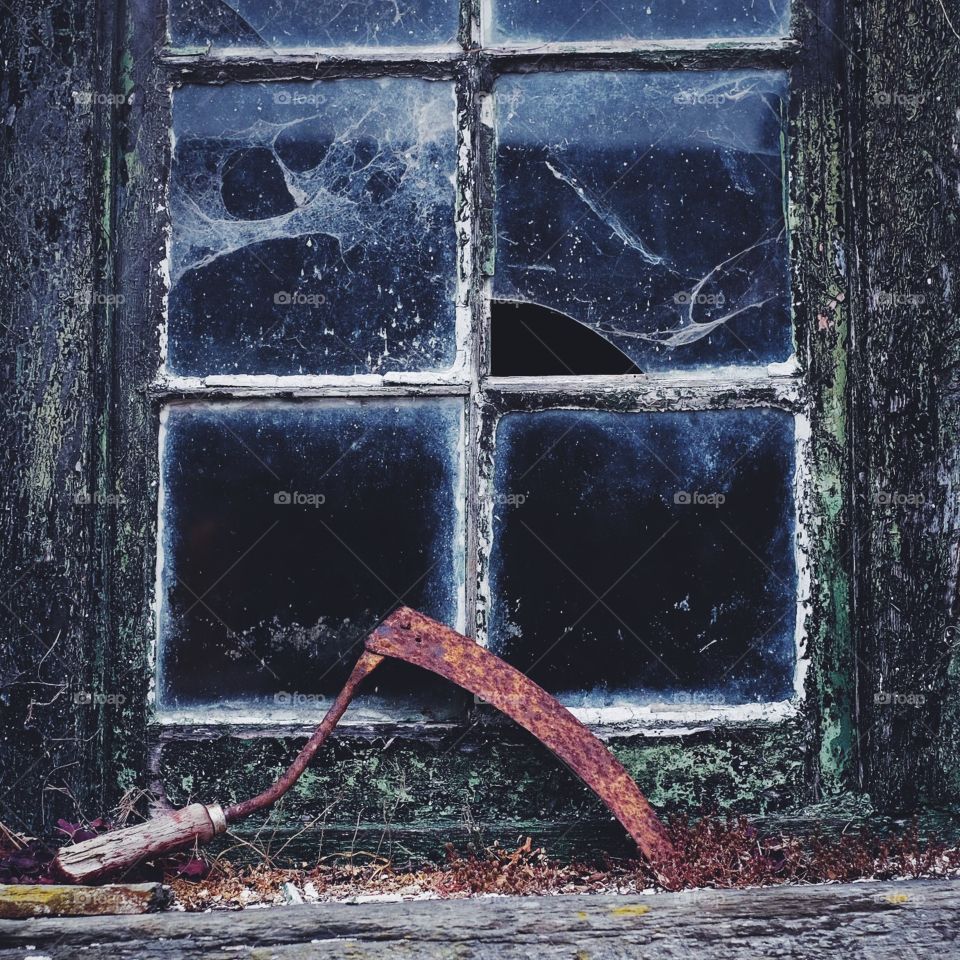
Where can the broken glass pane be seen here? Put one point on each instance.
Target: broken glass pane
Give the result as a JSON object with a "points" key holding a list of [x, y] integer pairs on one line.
{"points": [[646, 557], [313, 228], [540, 21], [649, 206], [532, 341], [288, 531], [318, 24]]}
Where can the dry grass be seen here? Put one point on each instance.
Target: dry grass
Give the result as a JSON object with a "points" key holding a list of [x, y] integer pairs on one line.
{"points": [[714, 852]]}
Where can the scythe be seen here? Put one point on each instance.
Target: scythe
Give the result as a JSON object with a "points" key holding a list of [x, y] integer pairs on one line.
{"points": [[416, 639]]}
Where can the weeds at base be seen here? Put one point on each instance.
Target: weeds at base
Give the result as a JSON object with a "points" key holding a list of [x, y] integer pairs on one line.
{"points": [[713, 852]]}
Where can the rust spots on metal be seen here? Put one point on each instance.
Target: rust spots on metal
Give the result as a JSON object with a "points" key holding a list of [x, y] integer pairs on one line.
{"points": [[367, 663], [414, 638], [409, 636]]}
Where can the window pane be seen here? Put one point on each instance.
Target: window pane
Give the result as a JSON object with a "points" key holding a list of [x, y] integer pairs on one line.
{"points": [[313, 228], [289, 530], [322, 24], [641, 556], [651, 208], [550, 21]]}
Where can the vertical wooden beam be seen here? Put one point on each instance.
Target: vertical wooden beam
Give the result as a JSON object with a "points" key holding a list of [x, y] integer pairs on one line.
{"points": [[57, 107], [819, 256], [904, 77], [141, 160]]}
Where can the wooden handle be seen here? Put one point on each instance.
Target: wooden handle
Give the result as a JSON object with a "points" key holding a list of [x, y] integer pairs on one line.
{"points": [[121, 850]]}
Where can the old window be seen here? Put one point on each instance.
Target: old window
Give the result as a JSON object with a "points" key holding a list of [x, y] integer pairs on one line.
{"points": [[313, 229], [644, 556], [487, 311]]}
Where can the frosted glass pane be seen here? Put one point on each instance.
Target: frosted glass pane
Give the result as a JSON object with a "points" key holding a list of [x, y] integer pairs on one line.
{"points": [[313, 228], [649, 206], [323, 24], [289, 530], [555, 21], [646, 557]]}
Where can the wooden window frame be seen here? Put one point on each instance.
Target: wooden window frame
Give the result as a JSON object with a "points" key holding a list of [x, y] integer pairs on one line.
{"points": [[818, 392]]}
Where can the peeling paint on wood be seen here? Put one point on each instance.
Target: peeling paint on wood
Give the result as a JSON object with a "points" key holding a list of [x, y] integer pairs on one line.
{"points": [[904, 171], [874, 174], [54, 310]]}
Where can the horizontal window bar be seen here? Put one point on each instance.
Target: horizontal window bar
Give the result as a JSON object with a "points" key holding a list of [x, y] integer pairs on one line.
{"points": [[196, 725], [658, 720], [653, 54], [733, 383], [363, 385], [605, 723], [309, 65], [306, 64], [688, 392]]}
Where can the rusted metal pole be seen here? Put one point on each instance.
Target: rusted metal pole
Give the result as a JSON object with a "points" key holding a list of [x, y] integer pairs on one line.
{"points": [[367, 663], [410, 636]]}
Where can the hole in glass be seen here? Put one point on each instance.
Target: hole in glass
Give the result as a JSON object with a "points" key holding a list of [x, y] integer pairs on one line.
{"points": [[650, 207], [527, 339]]}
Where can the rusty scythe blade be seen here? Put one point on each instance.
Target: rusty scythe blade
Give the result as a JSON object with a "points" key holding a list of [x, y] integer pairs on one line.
{"points": [[410, 636]]}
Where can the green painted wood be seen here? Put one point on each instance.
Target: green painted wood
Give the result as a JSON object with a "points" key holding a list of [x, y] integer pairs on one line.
{"points": [[819, 239]]}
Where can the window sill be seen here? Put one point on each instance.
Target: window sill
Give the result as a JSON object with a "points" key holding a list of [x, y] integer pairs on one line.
{"points": [[656, 720]]}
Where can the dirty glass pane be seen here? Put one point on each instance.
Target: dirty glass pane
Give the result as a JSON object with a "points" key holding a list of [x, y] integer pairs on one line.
{"points": [[323, 24], [313, 228], [555, 21], [645, 558], [288, 531], [649, 206]]}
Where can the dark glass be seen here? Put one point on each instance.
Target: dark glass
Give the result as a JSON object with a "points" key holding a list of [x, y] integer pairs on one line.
{"points": [[534, 341], [289, 530], [313, 228], [318, 24], [650, 207], [641, 557], [555, 21]]}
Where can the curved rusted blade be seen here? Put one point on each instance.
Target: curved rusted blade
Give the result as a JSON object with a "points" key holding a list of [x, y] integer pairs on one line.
{"points": [[414, 638]]}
